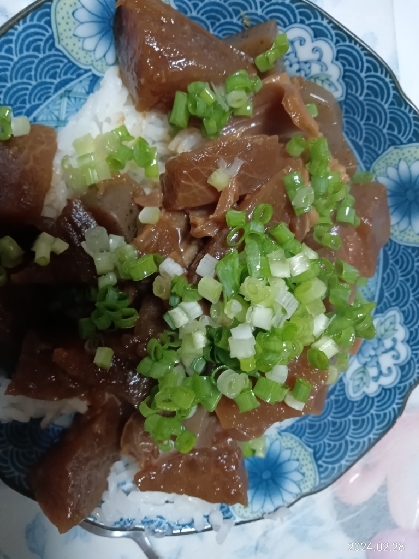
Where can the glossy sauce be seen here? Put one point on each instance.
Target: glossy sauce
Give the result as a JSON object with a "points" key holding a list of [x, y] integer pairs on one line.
{"points": [[156, 60]]}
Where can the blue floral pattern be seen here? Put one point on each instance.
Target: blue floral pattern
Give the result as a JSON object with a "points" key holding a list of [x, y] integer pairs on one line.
{"points": [[377, 364], [287, 471], [403, 195], [274, 481], [398, 170], [95, 19]]}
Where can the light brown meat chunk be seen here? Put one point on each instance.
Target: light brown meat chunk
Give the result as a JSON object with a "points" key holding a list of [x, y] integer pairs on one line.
{"points": [[215, 473], [185, 182], [156, 59]]}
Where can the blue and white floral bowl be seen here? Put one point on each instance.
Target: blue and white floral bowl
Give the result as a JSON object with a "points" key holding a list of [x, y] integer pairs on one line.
{"points": [[52, 57]]}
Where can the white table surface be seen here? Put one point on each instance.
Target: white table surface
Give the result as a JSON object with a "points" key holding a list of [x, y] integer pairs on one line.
{"points": [[314, 530]]}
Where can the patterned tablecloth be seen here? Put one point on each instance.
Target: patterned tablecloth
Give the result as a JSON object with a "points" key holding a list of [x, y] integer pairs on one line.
{"points": [[375, 505]]}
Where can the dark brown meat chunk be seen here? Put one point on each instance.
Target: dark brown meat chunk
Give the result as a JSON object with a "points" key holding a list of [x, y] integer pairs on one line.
{"points": [[25, 174], [137, 443], [114, 208], [361, 246], [329, 120], [252, 424], [36, 376], [72, 267], [69, 481], [215, 473], [121, 379], [156, 60], [185, 182], [18, 306]]}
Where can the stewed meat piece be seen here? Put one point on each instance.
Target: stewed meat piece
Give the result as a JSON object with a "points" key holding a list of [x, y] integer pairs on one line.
{"points": [[25, 175], [161, 51]]}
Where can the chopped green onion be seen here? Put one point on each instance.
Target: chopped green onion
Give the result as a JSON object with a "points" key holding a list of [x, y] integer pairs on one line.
{"points": [[185, 441], [235, 218], [231, 384], [228, 272], [331, 241], [267, 59], [5, 123], [143, 267], [246, 401], [237, 99], [301, 390], [346, 272], [296, 146], [279, 373], [59, 246], [103, 357], [269, 391], [263, 213], [318, 359], [210, 289], [150, 215], [20, 126], [180, 114], [219, 179], [327, 346], [244, 110], [107, 279], [127, 318], [239, 81], [255, 447], [42, 247], [312, 109], [345, 214], [104, 262], [362, 177], [309, 291], [281, 233], [10, 252], [293, 182]]}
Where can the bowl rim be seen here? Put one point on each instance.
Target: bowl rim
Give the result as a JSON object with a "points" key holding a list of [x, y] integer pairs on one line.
{"points": [[15, 20]]}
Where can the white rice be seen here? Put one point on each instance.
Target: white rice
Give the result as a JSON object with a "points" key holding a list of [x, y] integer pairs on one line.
{"points": [[23, 409], [123, 499], [106, 109]]}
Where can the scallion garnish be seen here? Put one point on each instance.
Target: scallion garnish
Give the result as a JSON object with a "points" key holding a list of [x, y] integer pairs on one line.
{"points": [[103, 357], [312, 109], [266, 60]]}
